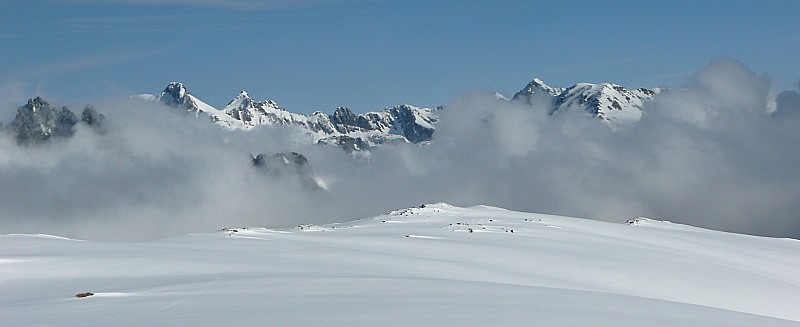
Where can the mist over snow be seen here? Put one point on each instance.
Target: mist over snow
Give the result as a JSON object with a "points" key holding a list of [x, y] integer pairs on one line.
{"points": [[720, 152]]}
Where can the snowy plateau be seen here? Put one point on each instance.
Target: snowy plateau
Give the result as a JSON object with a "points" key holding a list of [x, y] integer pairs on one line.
{"points": [[434, 265]]}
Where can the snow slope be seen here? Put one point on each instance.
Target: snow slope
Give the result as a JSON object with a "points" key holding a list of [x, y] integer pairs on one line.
{"points": [[611, 103], [439, 265]]}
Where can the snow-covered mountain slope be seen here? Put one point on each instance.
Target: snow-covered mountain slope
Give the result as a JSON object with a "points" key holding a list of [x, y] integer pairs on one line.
{"points": [[176, 95], [612, 103], [403, 123], [434, 266]]}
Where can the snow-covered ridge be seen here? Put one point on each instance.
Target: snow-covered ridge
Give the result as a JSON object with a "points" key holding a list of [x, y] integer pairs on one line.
{"points": [[404, 123], [432, 265], [612, 103]]}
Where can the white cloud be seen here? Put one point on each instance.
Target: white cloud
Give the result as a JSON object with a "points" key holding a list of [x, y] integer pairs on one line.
{"points": [[707, 154]]}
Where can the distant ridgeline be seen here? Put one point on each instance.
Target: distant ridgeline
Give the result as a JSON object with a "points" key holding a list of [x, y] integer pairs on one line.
{"points": [[403, 123], [37, 121], [611, 103]]}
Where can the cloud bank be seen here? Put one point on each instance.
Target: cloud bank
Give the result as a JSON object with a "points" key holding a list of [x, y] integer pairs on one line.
{"points": [[721, 152]]}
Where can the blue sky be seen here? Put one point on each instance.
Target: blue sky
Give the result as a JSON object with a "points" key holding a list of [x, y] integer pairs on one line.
{"points": [[317, 55]]}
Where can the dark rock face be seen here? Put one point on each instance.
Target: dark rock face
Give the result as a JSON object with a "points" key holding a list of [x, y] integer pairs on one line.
{"points": [[37, 121], [345, 121], [401, 120], [282, 163], [406, 121], [65, 123], [91, 117], [287, 165]]}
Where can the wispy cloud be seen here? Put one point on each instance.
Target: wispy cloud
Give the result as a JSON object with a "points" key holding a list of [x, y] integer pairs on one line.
{"points": [[77, 64], [158, 23]]}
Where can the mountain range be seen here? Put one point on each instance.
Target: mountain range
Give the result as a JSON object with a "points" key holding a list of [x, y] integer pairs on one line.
{"points": [[354, 132], [611, 103], [37, 121]]}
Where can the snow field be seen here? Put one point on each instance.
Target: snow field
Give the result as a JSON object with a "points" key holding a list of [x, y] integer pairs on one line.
{"points": [[418, 266]]}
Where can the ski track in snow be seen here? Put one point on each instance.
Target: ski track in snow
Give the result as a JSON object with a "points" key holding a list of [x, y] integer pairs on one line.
{"points": [[198, 293]]}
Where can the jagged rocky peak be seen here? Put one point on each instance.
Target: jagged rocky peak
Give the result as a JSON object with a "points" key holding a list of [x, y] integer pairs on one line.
{"points": [[241, 107], [416, 124], [345, 121], [537, 93], [253, 113], [91, 117], [535, 87], [241, 101], [37, 121], [177, 95], [174, 95], [287, 165]]}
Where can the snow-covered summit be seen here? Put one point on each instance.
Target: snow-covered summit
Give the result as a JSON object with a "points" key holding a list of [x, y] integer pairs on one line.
{"points": [[176, 95], [612, 103], [536, 87]]}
